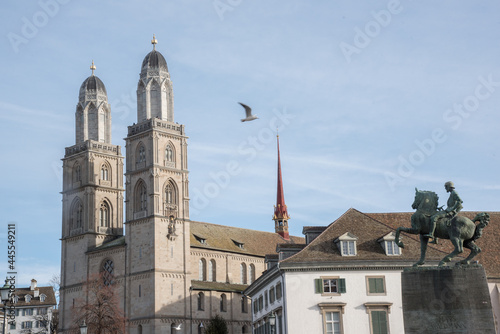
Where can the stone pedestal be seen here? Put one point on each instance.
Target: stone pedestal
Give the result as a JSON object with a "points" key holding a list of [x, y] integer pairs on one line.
{"points": [[446, 300]]}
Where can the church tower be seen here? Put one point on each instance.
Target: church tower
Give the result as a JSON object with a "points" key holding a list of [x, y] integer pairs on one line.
{"points": [[92, 193], [157, 203], [280, 216]]}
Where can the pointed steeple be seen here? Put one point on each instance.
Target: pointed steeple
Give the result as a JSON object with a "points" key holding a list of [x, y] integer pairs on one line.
{"points": [[280, 211]]}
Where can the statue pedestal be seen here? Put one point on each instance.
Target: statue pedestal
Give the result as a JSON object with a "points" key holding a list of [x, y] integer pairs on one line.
{"points": [[446, 300]]}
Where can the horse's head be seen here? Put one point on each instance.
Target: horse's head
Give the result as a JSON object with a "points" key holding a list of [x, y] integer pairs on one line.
{"points": [[426, 201], [417, 200]]}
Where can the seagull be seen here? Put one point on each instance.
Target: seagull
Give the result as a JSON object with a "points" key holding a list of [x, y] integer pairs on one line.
{"points": [[248, 111], [178, 328]]}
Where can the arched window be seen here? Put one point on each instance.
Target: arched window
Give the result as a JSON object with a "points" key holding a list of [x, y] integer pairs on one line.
{"points": [[141, 197], [244, 305], [139, 329], [140, 154], [201, 301], [243, 273], [203, 270], [223, 303], [169, 153], [212, 271], [108, 269], [104, 215], [76, 214], [251, 273], [170, 197], [244, 329], [104, 172]]}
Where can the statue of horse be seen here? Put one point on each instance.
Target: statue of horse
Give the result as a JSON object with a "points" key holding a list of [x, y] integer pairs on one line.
{"points": [[461, 231]]}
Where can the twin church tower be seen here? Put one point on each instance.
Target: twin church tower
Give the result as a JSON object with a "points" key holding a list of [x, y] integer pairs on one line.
{"points": [[152, 264]]}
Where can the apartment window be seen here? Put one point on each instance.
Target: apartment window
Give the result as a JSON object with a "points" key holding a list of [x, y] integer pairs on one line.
{"points": [[272, 295], [347, 244], [330, 285], [26, 324], [278, 291], [376, 285], [13, 325], [27, 298], [379, 317], [391, 248], [332, 317]]}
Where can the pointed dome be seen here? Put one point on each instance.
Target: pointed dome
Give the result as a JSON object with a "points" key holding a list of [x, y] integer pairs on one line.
{"points": [[154, 60], [92, 83]]}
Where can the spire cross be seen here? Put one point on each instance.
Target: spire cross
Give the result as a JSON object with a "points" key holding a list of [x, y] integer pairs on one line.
{"points": [[154, 41], [92, 67]]}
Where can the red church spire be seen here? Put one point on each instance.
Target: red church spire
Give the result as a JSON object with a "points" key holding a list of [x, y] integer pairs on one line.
{"points": [[280, 211]]}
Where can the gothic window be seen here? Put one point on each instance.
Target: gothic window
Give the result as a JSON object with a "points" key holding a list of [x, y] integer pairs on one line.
{"points": [[243, 273], [212, 271], [104, 215], [244, 305], [251, 273], [141, 154], [203, 270], [170, 194], [104, 172], [169, 153], [108, 269], [76, 214], [141, 197]]}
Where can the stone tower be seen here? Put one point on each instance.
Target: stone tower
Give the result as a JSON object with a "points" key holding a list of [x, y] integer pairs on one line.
{"points": [[92, 193], [280, 216], [157, 204]]}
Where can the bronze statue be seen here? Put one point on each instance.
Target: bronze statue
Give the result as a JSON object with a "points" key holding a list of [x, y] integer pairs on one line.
{"points": [[461, 231], [454, 205]]}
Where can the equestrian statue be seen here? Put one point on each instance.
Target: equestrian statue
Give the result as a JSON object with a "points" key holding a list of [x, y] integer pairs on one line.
{"points": [[431, 221]]}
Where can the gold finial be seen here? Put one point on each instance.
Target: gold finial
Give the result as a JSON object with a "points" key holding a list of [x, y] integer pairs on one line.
{"points": [[154, 41], [277, 132], [92, 67]]}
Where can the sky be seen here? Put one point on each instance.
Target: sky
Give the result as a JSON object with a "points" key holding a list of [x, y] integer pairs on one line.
{"points": [[371, 99]]}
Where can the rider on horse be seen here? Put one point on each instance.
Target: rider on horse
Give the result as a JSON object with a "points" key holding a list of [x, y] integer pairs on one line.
{"points": [[454, 206]]}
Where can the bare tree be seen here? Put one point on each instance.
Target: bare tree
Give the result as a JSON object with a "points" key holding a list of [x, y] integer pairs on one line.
{"points": [[101, 310]]}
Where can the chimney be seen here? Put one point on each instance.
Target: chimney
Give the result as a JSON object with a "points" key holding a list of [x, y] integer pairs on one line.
{"points": [[33, 284]]}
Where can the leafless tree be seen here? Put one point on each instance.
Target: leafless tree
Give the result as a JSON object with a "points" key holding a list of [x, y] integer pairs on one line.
{"points": [[101, 310]]}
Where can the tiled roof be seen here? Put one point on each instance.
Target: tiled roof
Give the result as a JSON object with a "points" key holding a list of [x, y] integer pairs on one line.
{"points": [[489, 242], [120, 241], [368, 230], [217, 286], [45, 290], [222, 238]]}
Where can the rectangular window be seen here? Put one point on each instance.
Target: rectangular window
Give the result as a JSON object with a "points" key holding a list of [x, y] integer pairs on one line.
{"points": [[379, 322], [348, 248], [13, 325], [376, 285], [392, 248], [330, 285], [332, 322]]}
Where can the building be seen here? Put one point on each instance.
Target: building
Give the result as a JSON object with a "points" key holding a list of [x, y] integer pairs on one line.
{"points": [[347, 279], [170, 272], [34, 307]]}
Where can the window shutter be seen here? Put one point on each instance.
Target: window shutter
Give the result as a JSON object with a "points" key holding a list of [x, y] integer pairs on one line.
{"points": [[342, 288], [318, 283], [379, 322]]}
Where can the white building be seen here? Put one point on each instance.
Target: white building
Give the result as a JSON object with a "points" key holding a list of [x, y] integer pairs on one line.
{"points": [[347, 279], [33, 306]]}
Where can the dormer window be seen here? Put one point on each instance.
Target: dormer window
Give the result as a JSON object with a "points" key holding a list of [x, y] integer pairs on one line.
{"points": [[346, 244], [201, 240], [16, 299], [389, 245], [42, 297], [27, 298], [238, 244]]}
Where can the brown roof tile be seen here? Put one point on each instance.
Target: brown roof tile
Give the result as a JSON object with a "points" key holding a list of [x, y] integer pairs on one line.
{"points": [[217, 286], [48, 291], [223, 238]]}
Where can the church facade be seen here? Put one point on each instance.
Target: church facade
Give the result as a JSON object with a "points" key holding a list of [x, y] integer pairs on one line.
{"points": [[171, 274]]}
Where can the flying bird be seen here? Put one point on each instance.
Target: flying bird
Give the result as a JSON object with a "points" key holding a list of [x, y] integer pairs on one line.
{"points": [[178, 328], [248, 112]]}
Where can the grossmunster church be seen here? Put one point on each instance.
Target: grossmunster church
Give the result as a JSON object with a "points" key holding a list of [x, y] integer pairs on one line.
{"points": [[172, 274]]}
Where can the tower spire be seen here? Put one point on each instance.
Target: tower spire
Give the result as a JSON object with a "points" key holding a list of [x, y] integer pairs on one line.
{"points": [[280, 210], [92, 67], [154, 41]]}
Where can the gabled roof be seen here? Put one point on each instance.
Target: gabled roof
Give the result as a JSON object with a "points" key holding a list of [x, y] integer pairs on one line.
{"points": [[489, 242], [255, 243], [368, 230], [50, 298]]}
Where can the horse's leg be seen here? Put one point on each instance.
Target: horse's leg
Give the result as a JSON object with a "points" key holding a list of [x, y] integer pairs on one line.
{"points": [[410, 230], [474, 250], [423, 250], [458, 243]]}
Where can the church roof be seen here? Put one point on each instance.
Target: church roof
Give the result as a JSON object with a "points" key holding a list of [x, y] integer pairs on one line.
{"points": [[154, 60], [217, 286], [237, 240]]}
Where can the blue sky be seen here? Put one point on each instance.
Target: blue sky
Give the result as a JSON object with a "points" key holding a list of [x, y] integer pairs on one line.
{"points": [[372, 99]]}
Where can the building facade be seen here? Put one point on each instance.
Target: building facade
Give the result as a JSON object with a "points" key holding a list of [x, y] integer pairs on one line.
{"points": [[171, 274]]}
